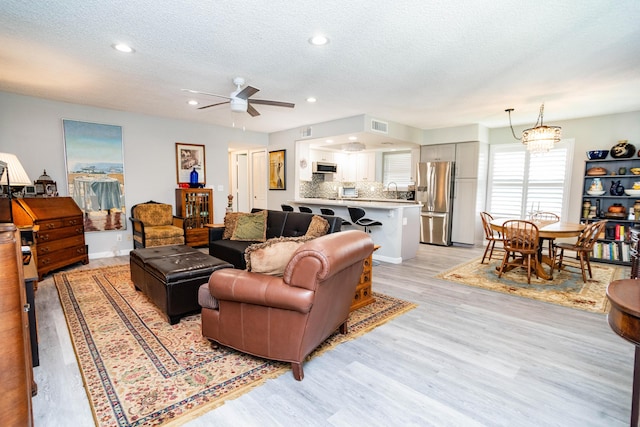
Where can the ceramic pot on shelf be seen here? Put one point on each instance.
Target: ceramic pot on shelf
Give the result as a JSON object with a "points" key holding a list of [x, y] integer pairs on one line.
{"points": [[596, 185]]}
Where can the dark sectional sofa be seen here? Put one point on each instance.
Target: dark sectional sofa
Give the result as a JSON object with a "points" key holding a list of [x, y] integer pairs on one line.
{"points": [[279, 224]]}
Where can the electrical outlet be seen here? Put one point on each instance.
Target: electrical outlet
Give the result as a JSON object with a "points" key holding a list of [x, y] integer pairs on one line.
{"points": [[119, 237]]}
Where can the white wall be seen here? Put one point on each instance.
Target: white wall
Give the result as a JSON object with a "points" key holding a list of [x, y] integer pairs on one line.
{"points": [[590, 133], [31, 128]]}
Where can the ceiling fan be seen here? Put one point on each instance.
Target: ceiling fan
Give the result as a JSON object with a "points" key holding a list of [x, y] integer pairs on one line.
{"points": [[239, 99]]}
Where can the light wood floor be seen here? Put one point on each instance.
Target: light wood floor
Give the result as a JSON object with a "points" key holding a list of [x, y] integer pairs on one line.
{"points": [[464, 357]]}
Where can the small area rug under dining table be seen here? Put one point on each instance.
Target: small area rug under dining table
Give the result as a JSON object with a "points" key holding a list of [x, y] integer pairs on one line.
{"points": [[139, 370], [566, 288]]}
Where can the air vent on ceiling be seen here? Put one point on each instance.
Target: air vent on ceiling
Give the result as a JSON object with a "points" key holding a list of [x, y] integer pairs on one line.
{"points": [[378, 126], [306, 132]]}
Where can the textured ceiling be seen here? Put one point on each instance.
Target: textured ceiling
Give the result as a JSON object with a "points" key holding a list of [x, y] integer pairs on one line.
{"points": [[427, 64]]}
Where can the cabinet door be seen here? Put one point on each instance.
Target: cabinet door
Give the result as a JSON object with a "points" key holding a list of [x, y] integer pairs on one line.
{"points": [[467, 160], [463, 228], [438, 153], [346, 168], [366, 167], [321, 156]]}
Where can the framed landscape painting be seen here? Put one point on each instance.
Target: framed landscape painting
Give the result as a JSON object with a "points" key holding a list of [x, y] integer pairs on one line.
{"points": [[277, 163], [95, 173]]}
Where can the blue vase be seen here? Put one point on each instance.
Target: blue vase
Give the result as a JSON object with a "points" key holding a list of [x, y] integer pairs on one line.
{"points": [[193, 178]]}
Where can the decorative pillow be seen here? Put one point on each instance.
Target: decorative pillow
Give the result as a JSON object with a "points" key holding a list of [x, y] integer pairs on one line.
{"points": [[251, 227], [272, 256], [318, 227], [230, 220]]}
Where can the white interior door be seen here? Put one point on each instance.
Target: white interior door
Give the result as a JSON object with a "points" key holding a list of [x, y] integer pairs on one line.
{"points": [[259, 179], [242, 201]]}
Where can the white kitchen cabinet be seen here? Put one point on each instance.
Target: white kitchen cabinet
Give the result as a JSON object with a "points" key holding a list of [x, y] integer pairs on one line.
{"points": [[467, 159], [366, 167], [346, 171], [438, 153], [465, 211], [321, 156]]}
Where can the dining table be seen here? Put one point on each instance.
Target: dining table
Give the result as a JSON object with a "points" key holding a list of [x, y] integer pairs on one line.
{"points": [[546, 230]]}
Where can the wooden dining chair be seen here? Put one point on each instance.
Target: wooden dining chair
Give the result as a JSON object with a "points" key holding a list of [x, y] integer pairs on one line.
{"points": [[520, 246], [490, 235], [582, 247], [546, 216]]}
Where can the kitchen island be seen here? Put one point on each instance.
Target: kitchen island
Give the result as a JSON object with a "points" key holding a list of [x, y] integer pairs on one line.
{"points": [[399, 234]]}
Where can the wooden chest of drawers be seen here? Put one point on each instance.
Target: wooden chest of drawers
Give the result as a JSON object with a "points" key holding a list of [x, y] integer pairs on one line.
{"points": [[58, 231]]}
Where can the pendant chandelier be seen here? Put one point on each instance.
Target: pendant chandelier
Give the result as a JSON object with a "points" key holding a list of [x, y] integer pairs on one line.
{"points": [[540, 138]]}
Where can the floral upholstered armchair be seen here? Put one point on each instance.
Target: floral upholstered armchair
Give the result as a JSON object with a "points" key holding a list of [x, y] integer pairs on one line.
{"points": [[155, 225]]}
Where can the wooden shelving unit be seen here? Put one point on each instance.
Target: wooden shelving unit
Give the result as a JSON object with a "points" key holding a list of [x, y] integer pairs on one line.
{"points": [[613, 247], [195, 205]]}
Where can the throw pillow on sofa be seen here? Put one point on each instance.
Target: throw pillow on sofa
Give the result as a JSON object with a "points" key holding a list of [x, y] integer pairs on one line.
{"points": [[272, 256], [251, 227], [230, 220], [318, 227]]}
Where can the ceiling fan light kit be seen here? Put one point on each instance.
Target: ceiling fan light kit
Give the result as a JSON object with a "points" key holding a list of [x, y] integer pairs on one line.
{"points": [[240, 99]]}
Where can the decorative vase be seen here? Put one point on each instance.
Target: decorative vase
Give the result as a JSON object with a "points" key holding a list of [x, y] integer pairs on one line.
{"points": [[596, 185], [622, 150], [586, 207], [193, 178], [616, 189]]}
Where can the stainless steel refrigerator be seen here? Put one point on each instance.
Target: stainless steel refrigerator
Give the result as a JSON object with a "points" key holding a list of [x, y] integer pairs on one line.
{"points": [[434, 190]]}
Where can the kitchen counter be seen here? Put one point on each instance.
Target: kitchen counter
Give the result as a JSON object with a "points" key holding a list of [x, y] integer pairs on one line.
{"points": [[399, 234]]}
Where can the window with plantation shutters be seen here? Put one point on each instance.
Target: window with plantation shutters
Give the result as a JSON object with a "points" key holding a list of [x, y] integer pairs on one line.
{"points": [[520, 182], [396, 167]]}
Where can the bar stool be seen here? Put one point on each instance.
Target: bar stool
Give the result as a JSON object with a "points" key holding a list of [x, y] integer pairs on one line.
{"points": [[358, 217], [286, 208], [305, 209], [330, 212]]}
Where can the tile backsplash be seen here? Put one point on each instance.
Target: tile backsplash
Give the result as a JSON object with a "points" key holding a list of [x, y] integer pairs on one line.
{"points": [[319, 188]]}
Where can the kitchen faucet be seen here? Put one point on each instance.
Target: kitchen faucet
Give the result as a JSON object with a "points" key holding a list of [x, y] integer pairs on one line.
{"points": [[396, 185]]}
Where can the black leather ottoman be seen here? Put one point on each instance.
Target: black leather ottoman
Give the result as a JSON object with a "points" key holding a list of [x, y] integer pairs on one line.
{"points": [[171, 275], [138, 259]]}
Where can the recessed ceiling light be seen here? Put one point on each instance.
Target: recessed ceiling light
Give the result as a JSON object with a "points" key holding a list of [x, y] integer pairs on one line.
{"points": [[329, 141], [192, 102], [353, 138], [121, 47], [318, 40], [311, 99]]}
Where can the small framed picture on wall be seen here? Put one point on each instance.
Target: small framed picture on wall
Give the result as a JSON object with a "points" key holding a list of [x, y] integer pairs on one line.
{"points": [[189, 158], [277, 166]]}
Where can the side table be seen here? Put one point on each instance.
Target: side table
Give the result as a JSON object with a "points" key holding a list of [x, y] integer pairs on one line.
{"points": [[624, 319]]}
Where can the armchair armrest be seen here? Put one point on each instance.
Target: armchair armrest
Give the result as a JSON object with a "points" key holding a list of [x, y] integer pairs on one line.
{"points": [[138, 230], [259, 289], [178, 221]]}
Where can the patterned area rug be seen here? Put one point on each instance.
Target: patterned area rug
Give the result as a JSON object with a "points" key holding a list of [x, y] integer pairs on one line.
{"points": [[566, 288], [139, 370]]}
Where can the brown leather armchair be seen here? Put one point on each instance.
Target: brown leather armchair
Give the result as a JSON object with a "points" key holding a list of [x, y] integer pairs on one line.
{"points": [[286, 318]]}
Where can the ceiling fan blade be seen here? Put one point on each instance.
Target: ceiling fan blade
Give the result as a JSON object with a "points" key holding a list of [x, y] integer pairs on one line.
{"points": [[274, 103], [205, 93], [252, 111], [247, 92], [213, 105]]}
